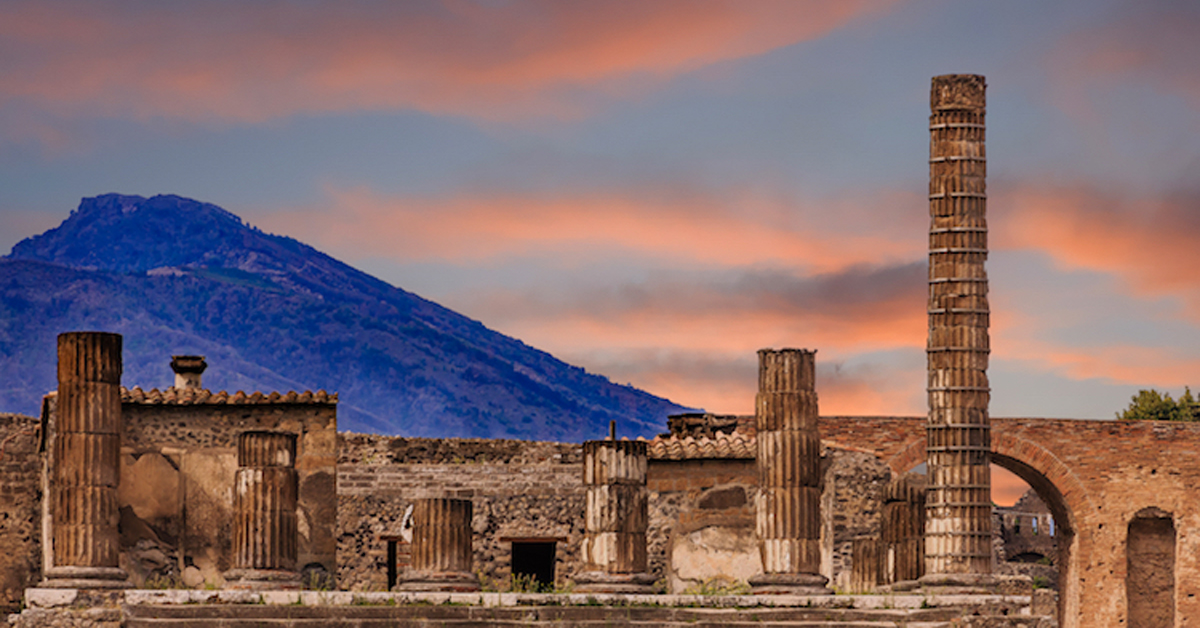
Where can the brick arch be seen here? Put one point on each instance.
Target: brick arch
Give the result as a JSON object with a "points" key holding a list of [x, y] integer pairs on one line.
{"points": [[1033, 463]]}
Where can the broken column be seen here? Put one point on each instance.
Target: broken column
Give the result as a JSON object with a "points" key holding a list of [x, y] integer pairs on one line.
{"points": [[85, 469], [788, 509], [958, 530], [902, 530], [265, 535], [442, 557], [616, 516]]}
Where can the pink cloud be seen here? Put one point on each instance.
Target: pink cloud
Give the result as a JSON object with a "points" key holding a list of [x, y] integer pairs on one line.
{"points": [[257, 61], [1148, 242], [694, 228]]}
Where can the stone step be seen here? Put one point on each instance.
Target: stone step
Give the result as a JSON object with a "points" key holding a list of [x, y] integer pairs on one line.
{"points": [[245, 616]]}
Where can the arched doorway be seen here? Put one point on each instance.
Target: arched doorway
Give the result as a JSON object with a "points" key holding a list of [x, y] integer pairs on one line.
{"points": [[1064, 525], [1019, 456]]}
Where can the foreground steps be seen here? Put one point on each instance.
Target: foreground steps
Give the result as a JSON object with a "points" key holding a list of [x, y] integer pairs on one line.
{"points": [[48, 608]]}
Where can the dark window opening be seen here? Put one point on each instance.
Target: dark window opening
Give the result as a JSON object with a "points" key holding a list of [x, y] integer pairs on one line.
{"points": [[533, 562]]}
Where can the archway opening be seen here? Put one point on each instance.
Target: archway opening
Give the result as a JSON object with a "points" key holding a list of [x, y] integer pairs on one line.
{"points": [[1062, 523]]}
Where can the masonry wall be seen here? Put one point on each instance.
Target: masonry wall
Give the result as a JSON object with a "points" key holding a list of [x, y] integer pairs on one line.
{"points": [[20, 508], [178, 463], [519, 490]]}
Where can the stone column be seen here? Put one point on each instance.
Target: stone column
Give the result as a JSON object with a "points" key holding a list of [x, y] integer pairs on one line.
{"points": [[85, 470], [864, 564], [958, 530], [265, 534], [616, 516], [442, 557], [902, 530], [788, 509]]}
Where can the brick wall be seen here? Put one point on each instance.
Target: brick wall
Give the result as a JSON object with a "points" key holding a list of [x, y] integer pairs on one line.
{"points": [[20, 508], [1095, 476]]}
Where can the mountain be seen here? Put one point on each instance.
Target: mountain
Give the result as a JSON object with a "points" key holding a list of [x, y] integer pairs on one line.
{"points": [[177, 276]]}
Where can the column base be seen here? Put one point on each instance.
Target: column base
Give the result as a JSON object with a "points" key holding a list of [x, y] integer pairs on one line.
{"points": [[602, 582], [960, 584], [901, 586], [447, 581], [262, 580], [86, 578], [789, 584]]}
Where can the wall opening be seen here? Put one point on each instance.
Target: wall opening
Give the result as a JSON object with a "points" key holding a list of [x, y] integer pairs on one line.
{"points": [[1150, 570], [533, 563]]}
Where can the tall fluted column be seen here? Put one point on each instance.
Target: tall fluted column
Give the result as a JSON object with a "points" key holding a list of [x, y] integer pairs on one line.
{"points": [[616, 517], [86, 463], [442, 556], [958, 531], [788, 509], [265, 534], [902, 530]]}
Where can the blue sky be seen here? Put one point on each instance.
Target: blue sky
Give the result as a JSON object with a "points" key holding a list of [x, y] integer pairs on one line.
{"points": [[654, 191]]}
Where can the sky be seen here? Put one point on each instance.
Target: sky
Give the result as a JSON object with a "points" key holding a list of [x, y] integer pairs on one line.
{"points": [[656, 190]]}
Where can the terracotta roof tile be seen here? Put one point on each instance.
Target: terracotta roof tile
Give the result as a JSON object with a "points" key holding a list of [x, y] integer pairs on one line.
{"points": [[200, 396], [735, 446]]}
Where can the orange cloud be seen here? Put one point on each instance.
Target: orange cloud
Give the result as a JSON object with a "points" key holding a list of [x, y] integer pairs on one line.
{"points": [[1122, 363], [1150, 243], [693, 228], [257, 61]]}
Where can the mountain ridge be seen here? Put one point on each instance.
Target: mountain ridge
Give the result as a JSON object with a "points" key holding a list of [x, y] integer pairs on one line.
{"points": [[181, 276]]}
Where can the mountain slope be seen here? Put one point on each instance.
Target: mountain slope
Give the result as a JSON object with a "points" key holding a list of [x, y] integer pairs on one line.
{"points": [[179, 276]]}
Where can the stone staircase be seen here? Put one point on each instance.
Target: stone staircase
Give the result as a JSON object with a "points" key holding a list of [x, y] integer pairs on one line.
{"points": [[426, 616]]}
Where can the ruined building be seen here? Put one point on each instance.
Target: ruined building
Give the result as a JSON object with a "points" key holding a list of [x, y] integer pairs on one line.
{"points": [[116, 487]]}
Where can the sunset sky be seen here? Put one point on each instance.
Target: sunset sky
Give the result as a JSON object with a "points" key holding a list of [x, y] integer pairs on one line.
{"points": [[655, 190]]}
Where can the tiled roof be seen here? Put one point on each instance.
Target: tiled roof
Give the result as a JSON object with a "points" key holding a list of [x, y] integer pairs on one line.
{"points": [[734, 446], [200, 396]]}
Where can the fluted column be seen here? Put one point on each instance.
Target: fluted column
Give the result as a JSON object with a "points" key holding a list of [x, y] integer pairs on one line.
{"points": [[902, 530], [788, 508], [442, 558], [86, 466], [958, 538], [616, 515], [265, 535]]}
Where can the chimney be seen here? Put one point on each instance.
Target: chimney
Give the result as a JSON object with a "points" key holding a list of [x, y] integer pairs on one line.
{"points": [[187, 370]]}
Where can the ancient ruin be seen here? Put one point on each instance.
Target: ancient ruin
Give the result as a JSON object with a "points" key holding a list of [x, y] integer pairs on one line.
{"points": [[958, 529], [210, 502]]}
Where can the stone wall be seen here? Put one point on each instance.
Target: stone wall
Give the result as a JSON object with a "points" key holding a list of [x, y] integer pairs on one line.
{"points": [[20, 508], [702, 517], [519, 490], [851, 507]]}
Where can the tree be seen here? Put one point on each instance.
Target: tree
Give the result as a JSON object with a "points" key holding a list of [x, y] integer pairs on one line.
{"points": [[1151, 405]]}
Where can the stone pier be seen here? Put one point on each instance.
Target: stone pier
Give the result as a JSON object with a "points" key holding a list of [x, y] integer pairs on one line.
{"points": [[788, 511], [958, 530], [442, 558], [85, 466], [265, 531], [616, 517], [902, 531]]}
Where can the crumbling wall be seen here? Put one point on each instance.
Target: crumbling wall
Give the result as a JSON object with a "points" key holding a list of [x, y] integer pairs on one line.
{"points": [[851, 507], [519, 490], [178, 461], [702, 522], [20, 508], [702, 517]]}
